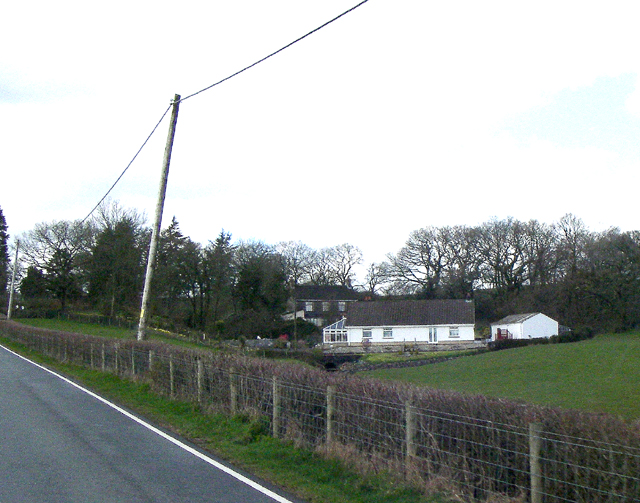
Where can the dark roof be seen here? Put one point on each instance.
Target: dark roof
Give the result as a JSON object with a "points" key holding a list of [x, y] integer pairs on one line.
{"points": [[411, 312], [514, 318], [325, 292]]}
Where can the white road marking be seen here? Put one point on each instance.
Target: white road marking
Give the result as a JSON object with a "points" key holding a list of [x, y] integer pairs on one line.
{"points": [[162, 434]]}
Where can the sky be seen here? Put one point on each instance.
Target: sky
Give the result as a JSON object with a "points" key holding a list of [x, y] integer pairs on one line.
{"points": [[400, 115]]}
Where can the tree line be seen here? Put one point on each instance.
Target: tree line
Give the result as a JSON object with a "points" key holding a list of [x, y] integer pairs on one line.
{"points": [[223, 288], [586, 280]]}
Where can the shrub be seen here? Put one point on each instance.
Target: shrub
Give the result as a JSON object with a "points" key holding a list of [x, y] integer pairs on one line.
{"points": [[515, 343]]}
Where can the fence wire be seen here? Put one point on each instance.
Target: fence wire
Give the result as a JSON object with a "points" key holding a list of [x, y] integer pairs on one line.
{"points": [[480, 458]]}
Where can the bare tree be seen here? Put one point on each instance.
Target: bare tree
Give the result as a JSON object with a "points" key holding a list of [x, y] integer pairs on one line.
{"points": [[320, 272], [502, 251], [540, 249], [573, 238], [462, 271], [375, 278], [298, 259], [342, 259], [109, 213], [60, 249], [421, 263]]}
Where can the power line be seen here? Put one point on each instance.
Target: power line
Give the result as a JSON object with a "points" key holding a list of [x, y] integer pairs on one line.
{"points": [[217, 83], [128, 165], [276, 52]]}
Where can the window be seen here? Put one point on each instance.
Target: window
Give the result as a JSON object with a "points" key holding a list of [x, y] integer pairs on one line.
{"points": [[433, 334], [366, 333], [308, 306], [325, 306], [342, 306], [454, 332], [335, 335], [387, 333]]}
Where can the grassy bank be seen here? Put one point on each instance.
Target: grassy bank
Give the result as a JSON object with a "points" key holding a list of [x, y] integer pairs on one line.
{"points": [[112, 331], [245, 442], [382, 358], [598, 375]]}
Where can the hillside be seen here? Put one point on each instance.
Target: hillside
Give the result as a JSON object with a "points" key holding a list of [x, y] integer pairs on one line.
{"points": [[598, 375]]}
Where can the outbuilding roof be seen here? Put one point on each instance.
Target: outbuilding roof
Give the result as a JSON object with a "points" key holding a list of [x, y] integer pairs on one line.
{"points": [[411, 312], [515, 318]]}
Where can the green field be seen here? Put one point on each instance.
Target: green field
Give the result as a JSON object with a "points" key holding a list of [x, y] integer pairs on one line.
{"points": [[78, 327], [598, 375]]}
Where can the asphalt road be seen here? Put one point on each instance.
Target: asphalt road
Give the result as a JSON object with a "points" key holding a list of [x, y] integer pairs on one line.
{"points": [[60, 443]]}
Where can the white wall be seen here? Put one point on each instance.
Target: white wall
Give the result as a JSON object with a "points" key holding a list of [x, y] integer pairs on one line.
{"points": [[411, 334], [539, 325]]}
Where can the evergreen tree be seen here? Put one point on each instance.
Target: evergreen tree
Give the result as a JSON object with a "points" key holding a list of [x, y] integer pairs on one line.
{"points": [[219, 256], [115, 269], [33, 285], [261, 282], [4, 255], [169, 284], [197, 283], [208, 275], [61, 277]]}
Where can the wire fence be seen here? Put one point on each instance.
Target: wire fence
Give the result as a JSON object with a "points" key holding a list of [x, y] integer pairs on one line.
{"points": [[482, 450]]}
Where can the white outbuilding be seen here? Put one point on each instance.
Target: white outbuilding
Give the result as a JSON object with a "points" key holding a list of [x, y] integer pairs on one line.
{"points": [[524, 326]]}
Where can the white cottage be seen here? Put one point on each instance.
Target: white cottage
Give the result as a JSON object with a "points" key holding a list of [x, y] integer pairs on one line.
{"points": [[524, 326], [397, 322]]}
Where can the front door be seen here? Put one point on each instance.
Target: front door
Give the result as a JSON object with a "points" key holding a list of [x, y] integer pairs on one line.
{"points": [[433, 334]]}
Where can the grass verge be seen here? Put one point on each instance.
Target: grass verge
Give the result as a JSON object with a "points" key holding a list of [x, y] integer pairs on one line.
{"points": [[244, 442]]}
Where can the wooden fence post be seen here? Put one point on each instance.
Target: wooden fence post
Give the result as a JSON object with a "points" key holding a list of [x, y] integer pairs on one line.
{"points": [[276, 408], [91, 356], [535, 445], [151, 356], [331, 404], [104, 358], [410, 430], [200, 379], [133, 360], [172, 390], [233, 392], [116, 349]]}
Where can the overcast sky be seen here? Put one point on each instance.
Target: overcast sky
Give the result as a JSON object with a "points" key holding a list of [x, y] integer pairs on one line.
{"points": [[400, 115]]}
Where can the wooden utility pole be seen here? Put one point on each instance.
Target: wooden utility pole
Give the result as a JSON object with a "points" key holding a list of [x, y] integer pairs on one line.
{"points": [[155, 233], [13, 281]]}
